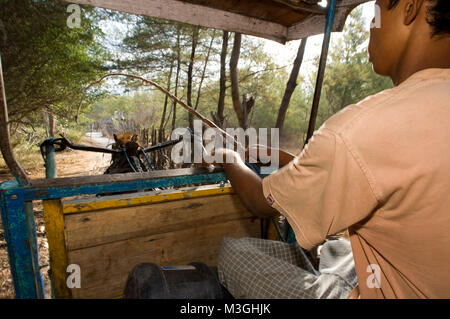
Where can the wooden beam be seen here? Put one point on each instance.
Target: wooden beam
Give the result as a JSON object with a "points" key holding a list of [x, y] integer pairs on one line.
{"points": [[196, 15], [43, 184], [54, 226], [302, 6], [90, 204], [315, 24]]}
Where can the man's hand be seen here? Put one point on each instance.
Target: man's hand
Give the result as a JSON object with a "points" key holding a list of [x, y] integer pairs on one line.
{"points": [[252, 153], [219, 157]]}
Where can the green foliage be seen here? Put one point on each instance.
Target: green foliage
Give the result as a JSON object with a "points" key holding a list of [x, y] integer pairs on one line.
{"points": [[46, 64], [349, 76]]}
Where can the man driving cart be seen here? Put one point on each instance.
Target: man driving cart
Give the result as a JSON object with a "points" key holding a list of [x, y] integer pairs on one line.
{"points": [[379, 168]]}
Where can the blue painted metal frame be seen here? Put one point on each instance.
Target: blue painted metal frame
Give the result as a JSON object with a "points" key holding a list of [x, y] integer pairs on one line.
{"points": [[20, 231], [50, 161], [20, 234]]}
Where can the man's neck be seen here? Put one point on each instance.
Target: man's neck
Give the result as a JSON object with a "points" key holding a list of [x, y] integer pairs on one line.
{"points": [[420, 55]]}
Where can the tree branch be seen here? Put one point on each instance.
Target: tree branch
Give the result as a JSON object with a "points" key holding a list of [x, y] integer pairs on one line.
{"points": [[174, 98]]}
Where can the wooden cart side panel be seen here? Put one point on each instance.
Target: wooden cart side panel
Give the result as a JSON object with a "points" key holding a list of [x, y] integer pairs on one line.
{"points": [[54, 226], [101, 227], [104, 268], [107, 237]]}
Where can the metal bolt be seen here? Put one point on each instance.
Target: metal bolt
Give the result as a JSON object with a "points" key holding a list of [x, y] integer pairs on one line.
{"points": [[14, 197]]}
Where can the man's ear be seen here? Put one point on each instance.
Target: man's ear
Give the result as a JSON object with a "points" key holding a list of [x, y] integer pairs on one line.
{"points": [[412, 8], [115, 137]]}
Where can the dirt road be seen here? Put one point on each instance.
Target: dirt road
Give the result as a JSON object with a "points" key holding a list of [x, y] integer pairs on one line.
{"points": [[68, 163]]}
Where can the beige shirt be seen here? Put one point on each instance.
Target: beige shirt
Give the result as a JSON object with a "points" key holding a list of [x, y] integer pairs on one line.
{"points": [[380, 168]]}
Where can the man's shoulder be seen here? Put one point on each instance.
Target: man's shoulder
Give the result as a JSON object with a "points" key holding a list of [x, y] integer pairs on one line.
{"points": [[358, 113], [422, 94]]}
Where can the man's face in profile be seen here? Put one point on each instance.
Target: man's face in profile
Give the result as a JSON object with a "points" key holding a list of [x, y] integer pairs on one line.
{"points": [[385, 42]]}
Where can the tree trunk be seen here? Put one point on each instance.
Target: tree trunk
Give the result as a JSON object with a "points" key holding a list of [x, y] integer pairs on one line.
{"points": [[153, 140], [5, 140], [204, 69], [234, 78], [163, 117], [219, 117], [243, 109], [291, 85], [174, 111], [195, 33], [51, 123]]}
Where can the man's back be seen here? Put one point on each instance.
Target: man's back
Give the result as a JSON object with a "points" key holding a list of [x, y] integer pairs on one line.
{"points": [[380, 168], [401, 140]]}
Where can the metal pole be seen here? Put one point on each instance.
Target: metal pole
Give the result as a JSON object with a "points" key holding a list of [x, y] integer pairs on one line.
{"points": [[50, 172], [289, 233], [20, 234], [50, 162], [322, 64]]}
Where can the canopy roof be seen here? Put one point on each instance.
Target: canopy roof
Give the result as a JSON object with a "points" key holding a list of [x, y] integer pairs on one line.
{"points": [[278, 20]]}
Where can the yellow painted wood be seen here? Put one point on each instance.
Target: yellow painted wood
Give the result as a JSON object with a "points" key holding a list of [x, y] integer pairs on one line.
{"points": [[54, 227], [134, 199]]}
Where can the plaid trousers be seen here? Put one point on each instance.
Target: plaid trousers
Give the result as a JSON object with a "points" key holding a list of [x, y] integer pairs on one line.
{"points": [[252, 268]]}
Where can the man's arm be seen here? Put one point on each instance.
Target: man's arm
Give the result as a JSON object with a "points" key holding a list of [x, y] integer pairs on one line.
{"points": [[283, 157], [248, 185]]}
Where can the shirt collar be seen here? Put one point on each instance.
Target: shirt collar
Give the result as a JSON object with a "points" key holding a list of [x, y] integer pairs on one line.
{"points": [[431, 73]]}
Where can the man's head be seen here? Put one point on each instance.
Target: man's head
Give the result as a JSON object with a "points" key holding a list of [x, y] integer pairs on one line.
{"points": [[410, 30]]}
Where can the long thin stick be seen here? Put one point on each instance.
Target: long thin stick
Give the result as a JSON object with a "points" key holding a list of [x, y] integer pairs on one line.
{"points": [[173, 97]]}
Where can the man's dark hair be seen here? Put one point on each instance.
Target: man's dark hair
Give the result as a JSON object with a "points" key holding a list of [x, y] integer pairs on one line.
{"points": [[438, 15]]}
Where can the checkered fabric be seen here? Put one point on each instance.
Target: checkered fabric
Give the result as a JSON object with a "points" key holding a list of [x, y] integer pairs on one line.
{"points": [[253, 268]]}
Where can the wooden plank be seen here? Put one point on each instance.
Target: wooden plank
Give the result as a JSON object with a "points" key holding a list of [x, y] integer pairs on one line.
{"points": [[54, 227], [304, 7], [196, 15], [315, 24], [119, 183], [105, 268], [270, 10], [101, 227], [135, 199], [40, 184]]}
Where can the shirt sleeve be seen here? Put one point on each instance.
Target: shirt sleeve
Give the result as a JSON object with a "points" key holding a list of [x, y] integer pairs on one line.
{"points": [[322, 191]]}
